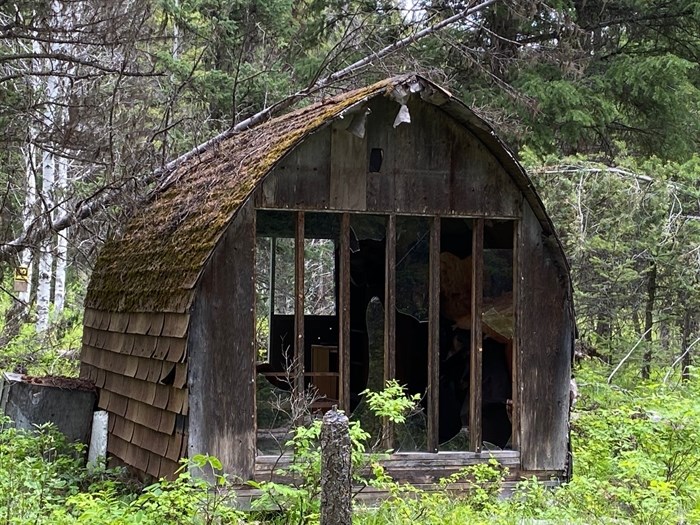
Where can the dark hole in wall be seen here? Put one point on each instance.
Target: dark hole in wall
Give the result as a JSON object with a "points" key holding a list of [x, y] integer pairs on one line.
{"points": [[376, 156]]}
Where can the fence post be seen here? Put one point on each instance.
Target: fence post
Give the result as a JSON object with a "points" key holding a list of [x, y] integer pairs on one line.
{"points": [[336, 481]]}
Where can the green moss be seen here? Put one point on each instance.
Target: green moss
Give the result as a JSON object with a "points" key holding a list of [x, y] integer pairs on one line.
{"points": [[169, 242]]}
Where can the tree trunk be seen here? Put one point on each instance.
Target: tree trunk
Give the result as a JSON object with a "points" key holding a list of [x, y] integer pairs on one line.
{"points": [[336, 481], [43, 292], [59, 293], [687, 355], [649, 320], [27, 218]]}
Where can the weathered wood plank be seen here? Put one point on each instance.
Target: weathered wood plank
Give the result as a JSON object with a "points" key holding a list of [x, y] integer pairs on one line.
{"points": [[434, 338], [476, 357], [344, 313], [545, 330], [221, 360], [390, 318], [299, 303], [302, 179], [348, 171]]}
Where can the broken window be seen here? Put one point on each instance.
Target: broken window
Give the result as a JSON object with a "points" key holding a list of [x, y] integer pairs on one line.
{"points": [[420, 294]]}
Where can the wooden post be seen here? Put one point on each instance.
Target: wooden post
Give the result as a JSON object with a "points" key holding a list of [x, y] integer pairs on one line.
{"points": [[475, 389], [434, 338], [336, 480], [344, 314], [389, 320], [299, 304]]}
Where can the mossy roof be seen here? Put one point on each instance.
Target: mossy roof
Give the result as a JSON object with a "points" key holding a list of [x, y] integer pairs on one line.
{"points": [[155, 265]]}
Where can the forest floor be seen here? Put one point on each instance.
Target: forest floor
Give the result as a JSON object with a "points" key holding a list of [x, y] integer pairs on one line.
{"points": [[636, 448]]}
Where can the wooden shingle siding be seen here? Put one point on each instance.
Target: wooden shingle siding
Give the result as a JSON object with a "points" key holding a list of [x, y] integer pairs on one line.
{"points": [[138, 362]]}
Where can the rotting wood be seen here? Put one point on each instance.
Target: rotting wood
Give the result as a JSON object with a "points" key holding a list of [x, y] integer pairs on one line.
{"points": [[476, 336]]}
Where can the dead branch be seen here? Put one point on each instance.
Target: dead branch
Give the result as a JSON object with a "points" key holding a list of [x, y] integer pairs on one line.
{"points": [[163, 175]]}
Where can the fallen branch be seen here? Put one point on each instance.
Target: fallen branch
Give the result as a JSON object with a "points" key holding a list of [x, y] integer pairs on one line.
{"points": [[641, 338], [105, 199]]}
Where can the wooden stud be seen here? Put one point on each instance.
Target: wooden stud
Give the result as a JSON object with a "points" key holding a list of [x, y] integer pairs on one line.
{"points": [[434, 338], [299, 304], [515, 365], [476, 336], [390, 319], [273, 284], [344, 314]]}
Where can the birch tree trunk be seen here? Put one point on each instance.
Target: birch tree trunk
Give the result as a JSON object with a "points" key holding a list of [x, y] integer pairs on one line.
{"points": [[50, 116], [26, 259], [43, 292], [59, 293]]}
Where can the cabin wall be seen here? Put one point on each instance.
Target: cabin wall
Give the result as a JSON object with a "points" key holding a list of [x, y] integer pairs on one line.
{"points": [[222, 354], [545, 331], [431, 165]]}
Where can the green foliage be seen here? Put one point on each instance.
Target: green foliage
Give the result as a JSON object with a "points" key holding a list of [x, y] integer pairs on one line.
{"points": [[392, 402]]}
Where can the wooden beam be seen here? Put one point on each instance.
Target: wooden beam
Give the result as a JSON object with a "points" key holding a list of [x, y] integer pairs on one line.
{"points": [[344, 314], [476, 337], [272, 284], [434, 338], [515, 423], [299, 304], [389, 319]]}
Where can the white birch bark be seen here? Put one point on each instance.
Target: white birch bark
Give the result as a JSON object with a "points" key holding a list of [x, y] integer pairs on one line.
{"points": [[28, 216], [43, 291], [59, 293], [48, 174]]}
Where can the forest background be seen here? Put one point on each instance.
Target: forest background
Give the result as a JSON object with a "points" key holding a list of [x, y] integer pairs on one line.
{"points": [[599, 98]]}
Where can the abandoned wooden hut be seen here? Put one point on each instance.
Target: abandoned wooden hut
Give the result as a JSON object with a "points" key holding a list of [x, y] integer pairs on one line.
{"points": [[386, 233]]}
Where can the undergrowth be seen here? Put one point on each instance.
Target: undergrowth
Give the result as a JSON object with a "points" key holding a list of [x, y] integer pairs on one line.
{"points": [[636, 447]]}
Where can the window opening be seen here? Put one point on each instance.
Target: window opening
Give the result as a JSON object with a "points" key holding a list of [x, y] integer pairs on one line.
{"points": [[455, 332], [411, 321], [315, 370], [367, 287], [497, 332]]}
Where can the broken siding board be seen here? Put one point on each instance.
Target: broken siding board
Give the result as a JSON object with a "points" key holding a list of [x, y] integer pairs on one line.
{"points": [[389, 320], [348, 170], [545, 349], [222, 356]]}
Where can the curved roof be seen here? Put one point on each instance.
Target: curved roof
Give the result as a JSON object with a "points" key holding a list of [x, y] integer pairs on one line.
{"points": [[155, 265]]}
